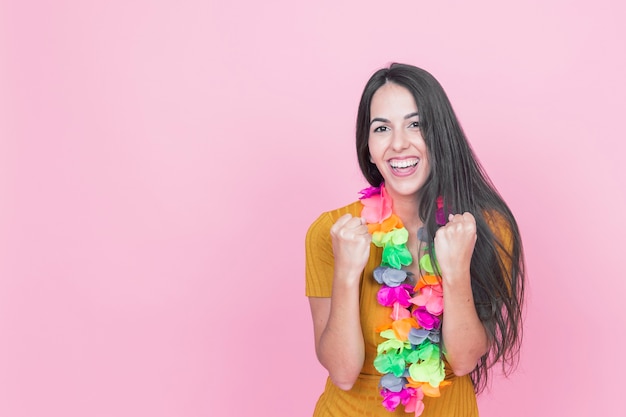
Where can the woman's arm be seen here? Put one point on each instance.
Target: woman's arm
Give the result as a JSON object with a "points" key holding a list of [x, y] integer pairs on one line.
{"points": [[464, 336], [338, 335], [336, 320]]}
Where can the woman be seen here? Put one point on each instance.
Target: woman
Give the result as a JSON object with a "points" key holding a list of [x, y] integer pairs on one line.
{"points": [[415, 290]]}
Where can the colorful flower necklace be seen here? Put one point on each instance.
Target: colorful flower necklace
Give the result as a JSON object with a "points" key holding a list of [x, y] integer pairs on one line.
{"points": [[410, 357]]}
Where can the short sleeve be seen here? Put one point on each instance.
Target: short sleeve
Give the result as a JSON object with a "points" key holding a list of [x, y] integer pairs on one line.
{"points": [[319, 258]]}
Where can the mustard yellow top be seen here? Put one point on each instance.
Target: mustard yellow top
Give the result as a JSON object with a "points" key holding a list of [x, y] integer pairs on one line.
{"points": [[364, 399]]}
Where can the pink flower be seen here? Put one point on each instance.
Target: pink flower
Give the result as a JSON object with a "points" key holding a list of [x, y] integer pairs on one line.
{"points": [[376, 208], [399, 312], [431, 297], [415, 404], [387, 296], [393, 399]]}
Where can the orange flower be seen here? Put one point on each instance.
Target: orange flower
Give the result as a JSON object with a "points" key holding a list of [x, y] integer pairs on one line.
{"points": [[383, 327], [402, 327], [387, 225], [427, 389], [427, 280]]}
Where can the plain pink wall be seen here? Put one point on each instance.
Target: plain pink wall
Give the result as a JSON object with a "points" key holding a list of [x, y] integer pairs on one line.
{"points": [[160, 162]]}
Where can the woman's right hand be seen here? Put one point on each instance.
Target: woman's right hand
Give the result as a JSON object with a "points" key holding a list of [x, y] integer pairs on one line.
{"points": [[351, 245]]}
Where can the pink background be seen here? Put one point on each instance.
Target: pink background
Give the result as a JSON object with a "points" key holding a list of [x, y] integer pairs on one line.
{"points": [[160, 162]]}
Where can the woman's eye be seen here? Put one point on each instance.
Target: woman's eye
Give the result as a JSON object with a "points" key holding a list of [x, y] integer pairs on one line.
{"points": [[381, 129], [415, 124]]}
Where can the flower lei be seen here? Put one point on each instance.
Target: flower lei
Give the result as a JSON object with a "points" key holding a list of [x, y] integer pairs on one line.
{"points": [[410, 357]]}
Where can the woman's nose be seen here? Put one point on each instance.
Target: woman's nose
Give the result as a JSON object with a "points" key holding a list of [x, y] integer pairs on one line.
{"points": [[399, 141]]}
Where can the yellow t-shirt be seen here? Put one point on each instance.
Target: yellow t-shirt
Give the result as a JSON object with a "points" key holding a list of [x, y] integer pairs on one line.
{"points": [[364, 399]]}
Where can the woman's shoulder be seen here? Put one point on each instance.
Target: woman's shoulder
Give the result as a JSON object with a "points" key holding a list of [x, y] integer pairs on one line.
{"points": [[503, 228], [500, 223], [495, 219], [325, 220], [331, 216]]}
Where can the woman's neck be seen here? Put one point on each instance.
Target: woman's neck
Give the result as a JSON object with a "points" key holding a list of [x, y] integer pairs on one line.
{"points": [[407, 209]]}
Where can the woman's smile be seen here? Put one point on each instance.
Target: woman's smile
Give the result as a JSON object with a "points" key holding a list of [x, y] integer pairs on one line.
{"points": [[403, 167]]}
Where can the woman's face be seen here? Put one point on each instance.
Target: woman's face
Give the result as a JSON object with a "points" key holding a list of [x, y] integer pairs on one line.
{"points": [[395, 141]]}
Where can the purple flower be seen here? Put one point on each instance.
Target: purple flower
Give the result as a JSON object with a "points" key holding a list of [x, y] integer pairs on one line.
{"points": [[368, 192], [392, 382], [391, 277], [440, 215], [417, 336], [425, 319]]}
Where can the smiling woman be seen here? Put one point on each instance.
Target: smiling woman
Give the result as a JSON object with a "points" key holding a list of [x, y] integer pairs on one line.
{"points": [[415, 290], [396, 144]]}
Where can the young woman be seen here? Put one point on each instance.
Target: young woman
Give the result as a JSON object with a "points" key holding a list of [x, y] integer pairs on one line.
{"points": [[416, 289]]}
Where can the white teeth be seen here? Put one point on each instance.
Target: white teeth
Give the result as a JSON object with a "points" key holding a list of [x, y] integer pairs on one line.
{"points": [[404, 163]]}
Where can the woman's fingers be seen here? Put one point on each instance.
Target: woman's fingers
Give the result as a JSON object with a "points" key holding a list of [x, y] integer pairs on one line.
{"points": [[348, 227], [351, 242], [454, 244]]}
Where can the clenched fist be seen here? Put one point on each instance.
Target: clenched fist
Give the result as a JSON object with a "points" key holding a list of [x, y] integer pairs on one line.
{"points": [[454, 246], [351, 245]]}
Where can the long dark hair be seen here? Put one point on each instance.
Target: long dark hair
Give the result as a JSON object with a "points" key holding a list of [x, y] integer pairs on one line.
{"points": [[497, 267]]}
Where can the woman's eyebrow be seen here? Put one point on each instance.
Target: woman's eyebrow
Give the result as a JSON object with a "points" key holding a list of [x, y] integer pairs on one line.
{"points": [[379, 119], [383, 120]]}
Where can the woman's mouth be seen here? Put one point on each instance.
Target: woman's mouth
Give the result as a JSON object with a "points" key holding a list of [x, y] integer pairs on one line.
{"points": [[403, 164], [403, 167]]}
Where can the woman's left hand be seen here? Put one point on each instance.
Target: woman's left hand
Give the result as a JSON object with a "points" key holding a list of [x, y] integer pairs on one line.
{"points": [[454, 246]]}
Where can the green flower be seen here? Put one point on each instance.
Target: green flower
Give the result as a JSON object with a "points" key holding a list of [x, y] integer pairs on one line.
{"points": [[396, 256]]}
